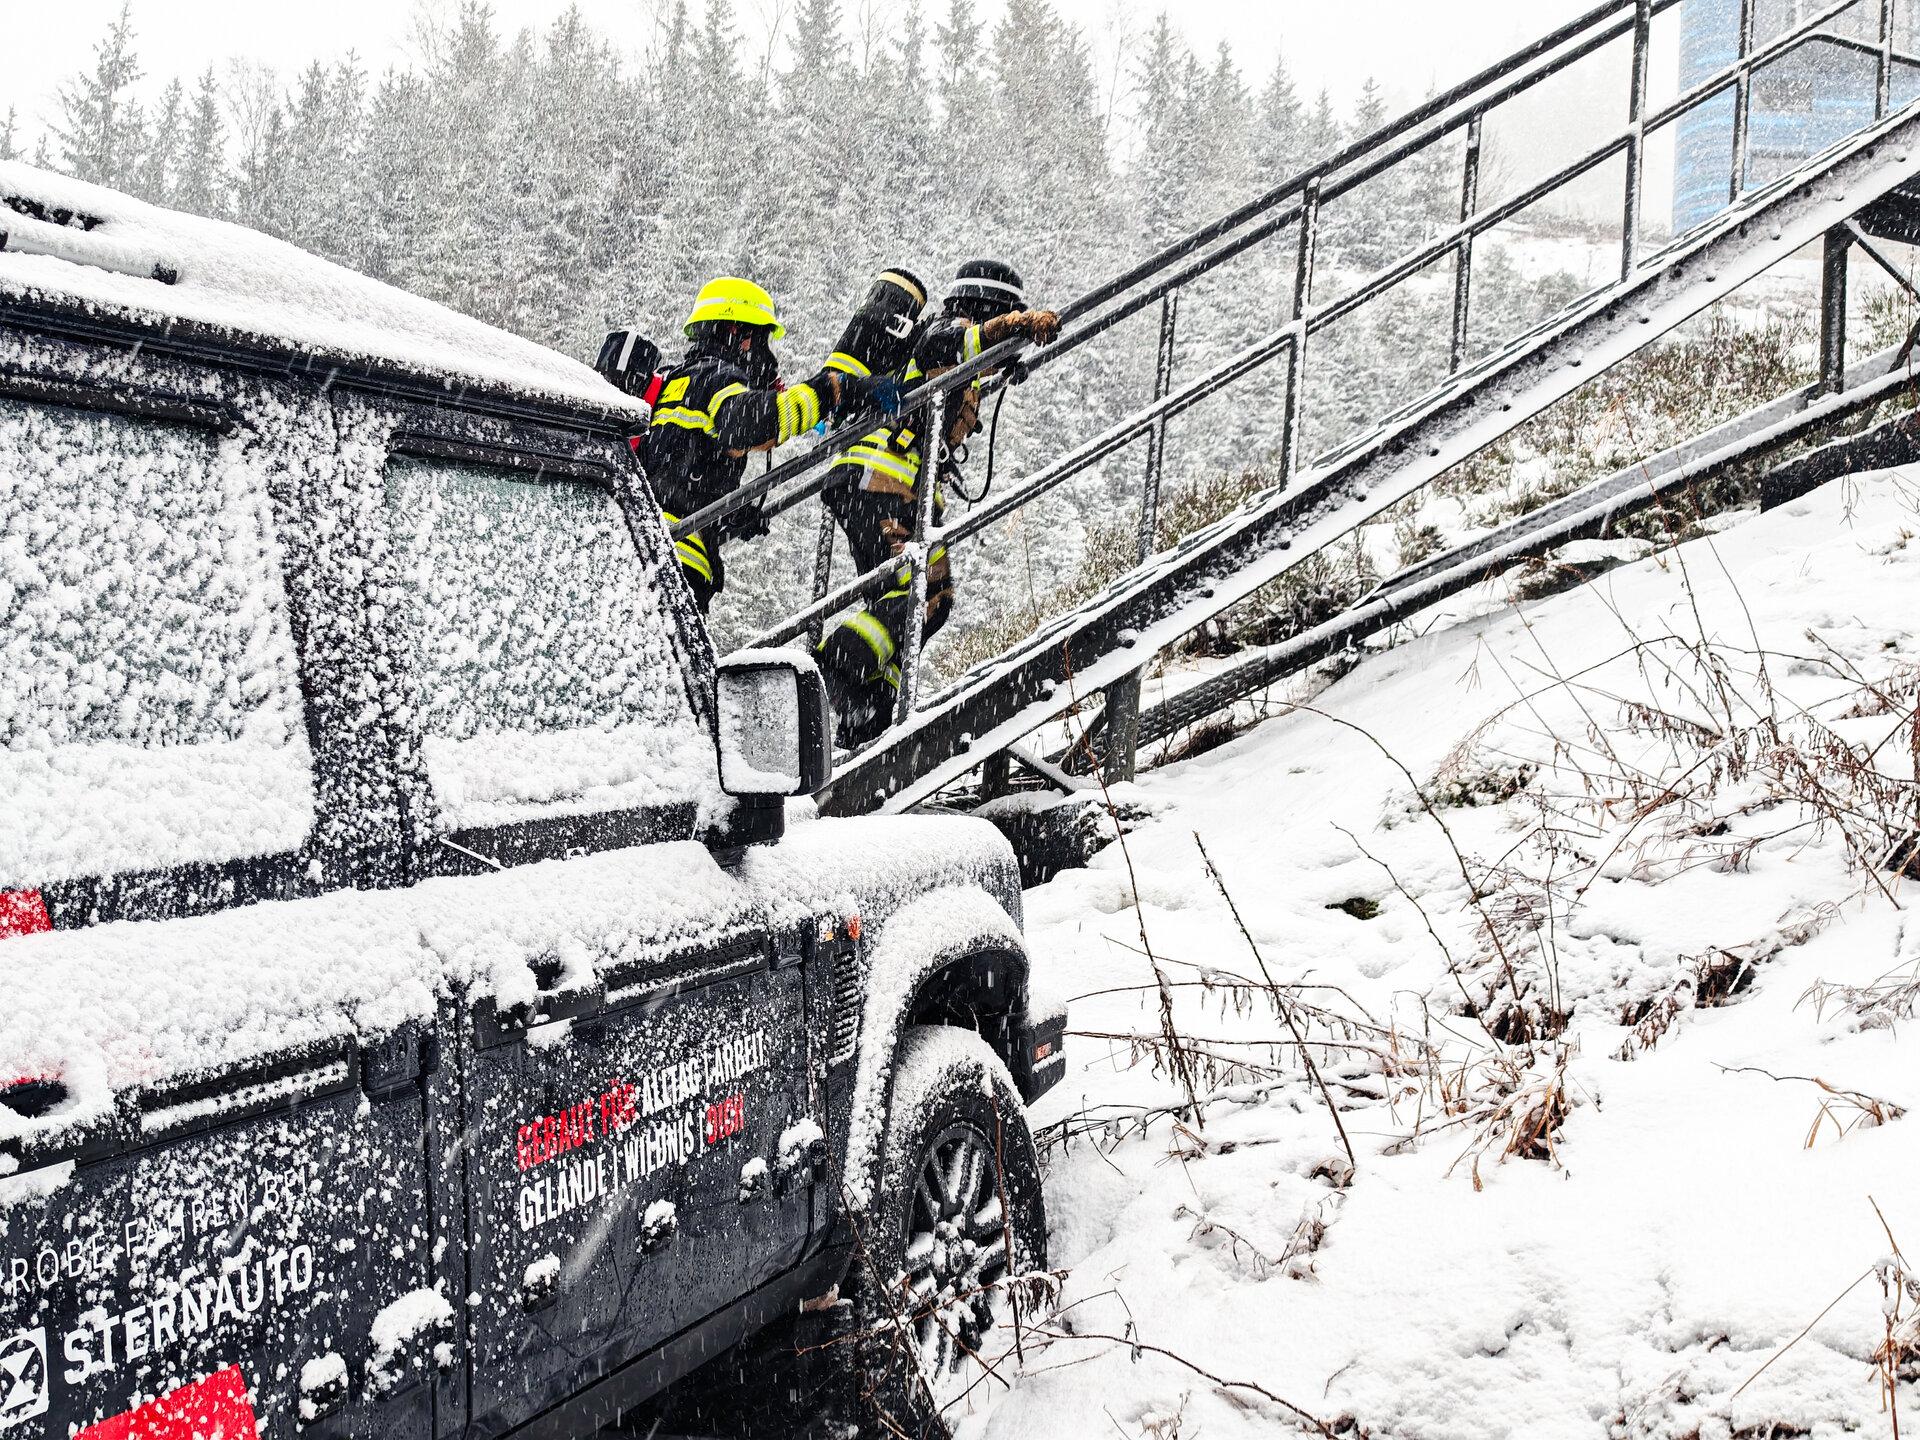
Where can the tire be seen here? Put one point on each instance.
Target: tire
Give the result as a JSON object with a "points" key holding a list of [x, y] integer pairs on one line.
{"points": [[926, 1289]]}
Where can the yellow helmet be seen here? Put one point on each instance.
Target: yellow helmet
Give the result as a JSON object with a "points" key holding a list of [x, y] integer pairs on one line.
{"points": [[729, 298]]}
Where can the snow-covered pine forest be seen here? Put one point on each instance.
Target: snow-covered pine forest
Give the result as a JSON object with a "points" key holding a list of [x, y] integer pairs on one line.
{"points": [[556, 186]]}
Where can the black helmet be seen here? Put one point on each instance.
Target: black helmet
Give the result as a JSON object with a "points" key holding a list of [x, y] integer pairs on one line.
{"points": [[985, 288]]}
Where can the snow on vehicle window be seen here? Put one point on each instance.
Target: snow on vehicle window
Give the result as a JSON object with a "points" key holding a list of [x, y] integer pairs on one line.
{"points": [[546, 681], [149, 711]]}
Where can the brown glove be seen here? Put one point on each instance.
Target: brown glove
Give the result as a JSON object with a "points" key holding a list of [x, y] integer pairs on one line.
{"points": [[1042, 325], [964, 417]]}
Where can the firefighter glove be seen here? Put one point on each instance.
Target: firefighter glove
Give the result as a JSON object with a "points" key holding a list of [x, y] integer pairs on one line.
{"points": [[858, 392], [1041, 325], [746, 524]]}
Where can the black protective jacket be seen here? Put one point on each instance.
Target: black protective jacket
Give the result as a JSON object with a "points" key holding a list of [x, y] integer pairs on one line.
{"points": [[707, 418]]}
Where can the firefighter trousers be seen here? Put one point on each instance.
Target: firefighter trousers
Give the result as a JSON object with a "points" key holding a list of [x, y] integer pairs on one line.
{"points": [[858, 658]]}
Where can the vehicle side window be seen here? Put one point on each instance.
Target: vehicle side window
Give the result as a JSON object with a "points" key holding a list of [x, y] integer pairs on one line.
{"points": [[150, 713], [545, 682]]}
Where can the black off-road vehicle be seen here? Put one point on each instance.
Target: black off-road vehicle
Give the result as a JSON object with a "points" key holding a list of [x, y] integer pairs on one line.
{"points": [[416, 1016]]}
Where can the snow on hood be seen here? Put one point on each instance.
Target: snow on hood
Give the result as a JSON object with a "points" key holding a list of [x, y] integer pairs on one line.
{"points": [[138, 1002], [257, 288]]}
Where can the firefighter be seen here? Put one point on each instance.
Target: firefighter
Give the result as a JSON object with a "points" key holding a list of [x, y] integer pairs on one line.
{"points": [[724, 401], [872, 486]]}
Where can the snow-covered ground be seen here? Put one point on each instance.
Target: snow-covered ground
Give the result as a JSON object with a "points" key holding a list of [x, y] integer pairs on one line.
{"points": [[1692, 1218]]}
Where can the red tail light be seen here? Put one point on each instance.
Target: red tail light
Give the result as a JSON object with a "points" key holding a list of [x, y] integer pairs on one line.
{"points": [[22, 912]]}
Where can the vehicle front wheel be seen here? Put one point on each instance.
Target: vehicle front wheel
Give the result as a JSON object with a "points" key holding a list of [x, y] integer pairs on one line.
{"points": [[956, 1215]]}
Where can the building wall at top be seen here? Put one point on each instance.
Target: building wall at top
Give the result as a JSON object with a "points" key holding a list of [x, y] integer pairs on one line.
{"points": [[1808, 99]]}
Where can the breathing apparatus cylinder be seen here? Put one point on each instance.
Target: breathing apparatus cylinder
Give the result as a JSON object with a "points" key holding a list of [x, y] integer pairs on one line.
{"points": [[879, 338], [628, 361]]}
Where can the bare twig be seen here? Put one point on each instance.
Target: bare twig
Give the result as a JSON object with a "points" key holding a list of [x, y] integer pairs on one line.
{"points": [[1286, 1010]]}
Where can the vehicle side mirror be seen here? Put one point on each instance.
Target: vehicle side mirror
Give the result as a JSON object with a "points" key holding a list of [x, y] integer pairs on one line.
{"points": [[774, 736]]}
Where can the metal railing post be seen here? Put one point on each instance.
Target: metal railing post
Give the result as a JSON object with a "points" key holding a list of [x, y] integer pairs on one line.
{"points": [[1157, 436], [1883, 64], [1833, 310], [1122, 698], [1636, 138], [1742, 106], [933, 446], [1463, 257], [822, 570], [1292, 422]]}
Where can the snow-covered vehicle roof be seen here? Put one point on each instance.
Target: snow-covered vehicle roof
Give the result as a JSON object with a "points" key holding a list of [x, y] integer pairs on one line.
{"points": [[83, 247]]}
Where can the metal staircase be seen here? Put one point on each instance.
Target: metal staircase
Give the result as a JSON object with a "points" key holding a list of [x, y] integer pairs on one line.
{"points": [[1866, 184]]}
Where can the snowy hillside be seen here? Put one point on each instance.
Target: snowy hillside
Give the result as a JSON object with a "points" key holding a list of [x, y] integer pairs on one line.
{"points": [[1604, 1207]]}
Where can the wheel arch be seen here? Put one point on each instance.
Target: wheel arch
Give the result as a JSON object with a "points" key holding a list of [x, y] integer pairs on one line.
{"points": [[952, 956]]}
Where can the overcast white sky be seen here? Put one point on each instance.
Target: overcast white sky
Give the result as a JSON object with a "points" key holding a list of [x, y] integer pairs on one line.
{"points": [[1407, 44]]}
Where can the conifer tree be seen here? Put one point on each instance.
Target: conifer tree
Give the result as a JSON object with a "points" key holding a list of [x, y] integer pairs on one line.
{"points": [[155, 180], [200, 181], [101, 131], [1167, 154], [1279, 139]]}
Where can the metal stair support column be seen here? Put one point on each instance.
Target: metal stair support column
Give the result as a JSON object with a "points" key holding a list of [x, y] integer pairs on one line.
{"points": [[1007, 698], [1636, 137], [1157, 436], [996, 776], [1294, 419], [1742, 107], [1833, 308], [1883, 63], [822, 570]]}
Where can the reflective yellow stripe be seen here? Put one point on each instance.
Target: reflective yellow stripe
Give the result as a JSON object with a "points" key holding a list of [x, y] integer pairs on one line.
{"points": [[846, 364], [694, 559], [686, 417], [799, 411], [907, 472], [914, 372], [722, 395], [879, 639], [892, 676], [970, 346], [692, 551]]}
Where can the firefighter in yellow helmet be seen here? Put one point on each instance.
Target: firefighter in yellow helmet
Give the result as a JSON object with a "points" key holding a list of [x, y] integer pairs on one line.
{"points": [[723, 401]]}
